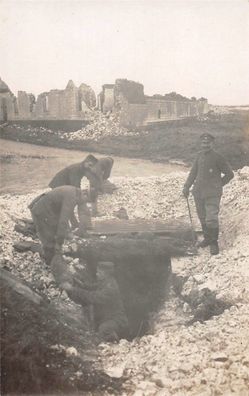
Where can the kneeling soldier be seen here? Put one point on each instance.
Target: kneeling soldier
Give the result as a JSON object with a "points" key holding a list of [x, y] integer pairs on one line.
{"points": [[110, 319]]}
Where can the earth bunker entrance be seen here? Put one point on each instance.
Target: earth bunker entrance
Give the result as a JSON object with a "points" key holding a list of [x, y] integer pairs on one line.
{"points": [[142, 265], [141, 252]]}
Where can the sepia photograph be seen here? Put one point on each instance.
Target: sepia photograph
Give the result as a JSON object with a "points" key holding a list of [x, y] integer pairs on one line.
{"points": [[124, 197]]}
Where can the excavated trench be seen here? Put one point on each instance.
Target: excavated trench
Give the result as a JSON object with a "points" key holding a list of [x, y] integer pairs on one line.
{"points": [[47, 346], [142, 263], [145, 279]]}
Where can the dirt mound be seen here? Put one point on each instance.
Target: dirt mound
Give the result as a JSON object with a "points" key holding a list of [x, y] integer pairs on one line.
{"points": [[99, 127], [43, 350]]}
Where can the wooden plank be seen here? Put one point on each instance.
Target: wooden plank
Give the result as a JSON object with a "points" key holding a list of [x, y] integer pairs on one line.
{"points": [[157, 227]]}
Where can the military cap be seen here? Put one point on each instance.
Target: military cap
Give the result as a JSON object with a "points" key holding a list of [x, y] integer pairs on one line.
{"points": [[90, 158], [207, 137]]}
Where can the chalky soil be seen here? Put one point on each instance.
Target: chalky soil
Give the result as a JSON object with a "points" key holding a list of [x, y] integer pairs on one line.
{"points": [[192, 350], [186, 351]]}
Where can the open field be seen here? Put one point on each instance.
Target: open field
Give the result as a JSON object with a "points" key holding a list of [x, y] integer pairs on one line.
{"points": [[163, 142]]}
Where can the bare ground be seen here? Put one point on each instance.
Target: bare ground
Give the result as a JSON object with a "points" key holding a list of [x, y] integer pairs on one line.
{"points": [[161, 142], [205, 358]]}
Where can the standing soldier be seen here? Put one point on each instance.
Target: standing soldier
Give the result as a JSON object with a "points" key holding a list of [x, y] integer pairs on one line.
{"points": [[97, 176], [51, 213], [207, 191]]}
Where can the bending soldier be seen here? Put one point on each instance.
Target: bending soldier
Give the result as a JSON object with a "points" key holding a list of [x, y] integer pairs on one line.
{"points": [[207, 191], [72, 174], [51, 213]]}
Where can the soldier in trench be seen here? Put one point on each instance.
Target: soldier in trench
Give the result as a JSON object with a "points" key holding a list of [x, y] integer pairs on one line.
{"points": [[110, 319], [51, 213], [97, 176], [206, 176]]}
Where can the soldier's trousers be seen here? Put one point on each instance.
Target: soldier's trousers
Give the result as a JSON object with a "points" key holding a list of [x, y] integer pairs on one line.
{"points": [[113, 329], [46, 231], [208, 210]]}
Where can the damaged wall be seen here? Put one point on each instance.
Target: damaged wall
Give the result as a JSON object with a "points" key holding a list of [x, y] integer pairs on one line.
{"points": [[136, 109], [125, 97], [72, 103]]}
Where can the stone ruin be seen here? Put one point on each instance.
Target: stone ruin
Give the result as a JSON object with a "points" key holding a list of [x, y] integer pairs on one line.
{"points": [[71, 103], [137, 109], [125, 98]]}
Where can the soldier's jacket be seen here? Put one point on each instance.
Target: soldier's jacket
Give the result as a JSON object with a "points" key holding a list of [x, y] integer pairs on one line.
{"points": [[206, 174], [57, 206], [69, 176], [107, 301], [100, 172]]}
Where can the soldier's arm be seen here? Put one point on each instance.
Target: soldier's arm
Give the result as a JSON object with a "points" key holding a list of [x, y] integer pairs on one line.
{"points": [[74, 221], [67, 209], [99, 177], [226, 169], [84, 215], [192, 175], [100, 296], [108, 168]]}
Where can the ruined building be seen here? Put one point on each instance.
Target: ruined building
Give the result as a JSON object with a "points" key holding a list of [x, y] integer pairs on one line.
{"points": [[71, 103], [136, 109], [125, 97]]}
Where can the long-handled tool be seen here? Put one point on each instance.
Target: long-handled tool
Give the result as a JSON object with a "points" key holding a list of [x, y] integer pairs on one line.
{"points": [[192, 227]]}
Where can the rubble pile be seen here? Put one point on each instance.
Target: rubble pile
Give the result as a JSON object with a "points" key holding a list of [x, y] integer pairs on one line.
{"points": [[100, 125], [200, 359]]}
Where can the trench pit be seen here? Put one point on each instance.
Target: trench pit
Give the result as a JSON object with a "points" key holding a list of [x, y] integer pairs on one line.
{"points": [[144, 275]]}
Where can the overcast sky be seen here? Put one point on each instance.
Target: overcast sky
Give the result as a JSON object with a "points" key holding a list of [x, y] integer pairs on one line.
{"points": [[194, 47]]}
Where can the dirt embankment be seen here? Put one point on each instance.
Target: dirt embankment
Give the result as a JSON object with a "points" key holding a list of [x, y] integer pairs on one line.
{"points": [[162, 143]]}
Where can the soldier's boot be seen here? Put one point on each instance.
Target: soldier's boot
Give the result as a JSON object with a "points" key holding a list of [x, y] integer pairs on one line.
{"points": [[214, 246], [206, 240], [48, 254]]}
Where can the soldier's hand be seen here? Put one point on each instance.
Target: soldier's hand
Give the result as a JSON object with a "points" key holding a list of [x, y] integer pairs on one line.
{"points": [[81, 233], [66, 286], [57, 248], [75, 225], [185, 192]]}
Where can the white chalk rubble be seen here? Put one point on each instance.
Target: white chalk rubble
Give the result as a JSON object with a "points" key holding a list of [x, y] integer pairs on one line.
{"points": [[203, 359]]}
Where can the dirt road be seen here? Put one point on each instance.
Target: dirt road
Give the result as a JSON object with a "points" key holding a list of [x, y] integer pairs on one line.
{"points": [[26, 167]]}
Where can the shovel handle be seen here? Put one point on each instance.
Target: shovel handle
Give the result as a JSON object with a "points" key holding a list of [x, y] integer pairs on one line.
{"points": [[191, 222]]}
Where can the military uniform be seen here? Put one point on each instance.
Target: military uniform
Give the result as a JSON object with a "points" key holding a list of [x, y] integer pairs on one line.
{"points": [[72, 175], [110, 319], [51, 212], [69, 176], [206, 176]]}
